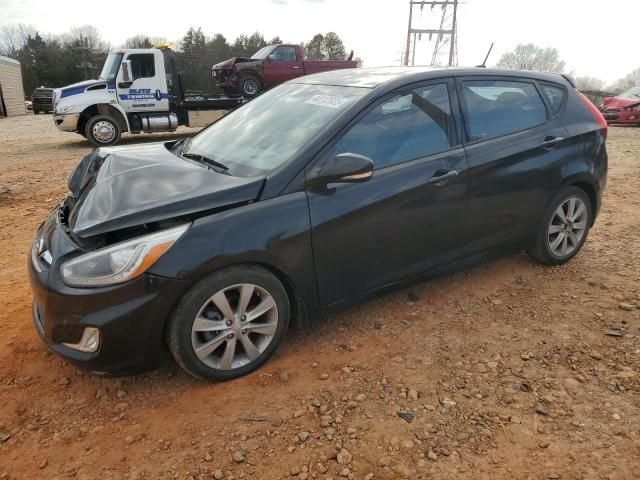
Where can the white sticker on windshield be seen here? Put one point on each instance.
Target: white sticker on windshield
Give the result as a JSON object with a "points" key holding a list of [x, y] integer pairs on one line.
{"points": [[327, 101]]}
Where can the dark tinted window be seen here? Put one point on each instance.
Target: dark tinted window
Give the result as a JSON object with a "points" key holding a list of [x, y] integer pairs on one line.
{"points": [[142, 65], [408, 126], [495, 108], [284, 54], [555, 95]]}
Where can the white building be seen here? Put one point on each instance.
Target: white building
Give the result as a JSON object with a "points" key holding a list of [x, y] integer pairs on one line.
{"points": [[11, 91]]}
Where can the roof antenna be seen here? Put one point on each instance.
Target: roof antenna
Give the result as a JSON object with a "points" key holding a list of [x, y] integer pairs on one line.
{"points": [[484, 64]]}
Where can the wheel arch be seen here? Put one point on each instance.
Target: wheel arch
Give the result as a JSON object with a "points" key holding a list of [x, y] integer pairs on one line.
{"points": [[299, 317], [115, 111], [589, 185]]}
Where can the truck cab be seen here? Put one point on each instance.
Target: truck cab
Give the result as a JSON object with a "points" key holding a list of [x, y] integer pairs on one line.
{"points": [[138, 90]]}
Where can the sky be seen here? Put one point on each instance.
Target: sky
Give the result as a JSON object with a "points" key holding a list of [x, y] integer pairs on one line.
{"points": [[588, 34]]}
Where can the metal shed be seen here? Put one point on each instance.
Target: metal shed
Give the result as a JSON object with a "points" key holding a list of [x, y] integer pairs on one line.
{"points": [[11, 91]]}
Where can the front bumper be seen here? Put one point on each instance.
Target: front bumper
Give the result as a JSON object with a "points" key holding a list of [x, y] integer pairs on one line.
{"points": [[621, 116], [66, 123], [130, 317]]}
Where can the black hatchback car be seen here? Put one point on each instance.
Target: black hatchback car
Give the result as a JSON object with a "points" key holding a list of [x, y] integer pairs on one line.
{"points": [[319, 193]]}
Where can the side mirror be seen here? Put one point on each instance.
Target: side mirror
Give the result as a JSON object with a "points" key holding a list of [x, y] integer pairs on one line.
{"points": [[344, 168], [127, 75], [271, 58]]}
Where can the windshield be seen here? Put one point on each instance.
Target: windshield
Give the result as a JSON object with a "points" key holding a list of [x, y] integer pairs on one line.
{"points": [[633, 93], [270, 130], [111, 66], [263, 52]]}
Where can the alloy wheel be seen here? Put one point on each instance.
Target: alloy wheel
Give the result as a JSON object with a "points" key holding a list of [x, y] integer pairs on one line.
{"points": [[234, 326], [567, 227]]}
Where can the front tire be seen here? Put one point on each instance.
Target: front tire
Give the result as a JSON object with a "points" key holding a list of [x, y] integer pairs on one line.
{"points": [[102, 131], [249, 86], [563, 228], [229, 323]]}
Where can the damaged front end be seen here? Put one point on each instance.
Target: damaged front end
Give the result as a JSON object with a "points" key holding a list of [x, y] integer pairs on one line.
{"points": [[227, 73]]}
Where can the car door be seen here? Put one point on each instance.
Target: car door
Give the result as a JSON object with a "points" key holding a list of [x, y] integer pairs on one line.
{"points": [[146, 91], [516, 148], [282, 65], [409, 217]]}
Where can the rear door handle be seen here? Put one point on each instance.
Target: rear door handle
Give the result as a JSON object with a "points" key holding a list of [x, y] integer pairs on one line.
{"points": [[550, 143], [442, 175]]}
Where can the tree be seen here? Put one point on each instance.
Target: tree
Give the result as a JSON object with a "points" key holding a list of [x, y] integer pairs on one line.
{"points": [[143, 41], [589, 83], [314, 50], [631, 80], [275, 40], [13, 38], [532, 57], [324, 47], [334, 47]]}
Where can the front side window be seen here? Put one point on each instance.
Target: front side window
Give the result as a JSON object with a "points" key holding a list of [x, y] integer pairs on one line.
{"points": [[142, 65], [496, 108], [408, 126], [284, 54]]}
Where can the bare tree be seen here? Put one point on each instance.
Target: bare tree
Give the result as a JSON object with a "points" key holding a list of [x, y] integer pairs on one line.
{"points": [[629, 81], [14, 37], [143, 41], [590, 83], [532, 57]]}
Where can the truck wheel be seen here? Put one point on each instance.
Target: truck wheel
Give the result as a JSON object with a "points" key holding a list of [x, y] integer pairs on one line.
{"points": [[102, 131], [249, 86]]}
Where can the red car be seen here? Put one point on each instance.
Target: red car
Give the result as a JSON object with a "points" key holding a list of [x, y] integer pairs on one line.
{"points": [[268, 67], [625, 108]]}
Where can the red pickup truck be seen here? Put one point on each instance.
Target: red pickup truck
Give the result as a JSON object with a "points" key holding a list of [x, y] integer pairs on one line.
{"points": [[270, 66]]}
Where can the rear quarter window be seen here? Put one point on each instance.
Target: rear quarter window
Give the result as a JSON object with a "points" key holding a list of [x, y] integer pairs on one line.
{"points": [[495, 107], [556, 96]]}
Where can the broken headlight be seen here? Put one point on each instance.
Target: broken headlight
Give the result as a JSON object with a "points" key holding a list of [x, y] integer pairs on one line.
{"points": [[120, 262]]}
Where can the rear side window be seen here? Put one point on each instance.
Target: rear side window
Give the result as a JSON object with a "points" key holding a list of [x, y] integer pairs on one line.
{"points": [[408, 126], [555, 95], [496, 108]]}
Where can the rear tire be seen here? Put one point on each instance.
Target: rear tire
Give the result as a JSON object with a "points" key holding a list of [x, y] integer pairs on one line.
{"points": [[219, 332], [249, 86], [563, 228], [102, 131]]}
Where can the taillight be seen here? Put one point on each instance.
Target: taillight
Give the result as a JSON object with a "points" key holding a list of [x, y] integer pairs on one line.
{"points": [[597, 116]]}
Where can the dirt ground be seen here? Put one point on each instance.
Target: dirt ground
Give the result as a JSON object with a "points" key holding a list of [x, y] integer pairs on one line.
{"points": [[509, 370]]}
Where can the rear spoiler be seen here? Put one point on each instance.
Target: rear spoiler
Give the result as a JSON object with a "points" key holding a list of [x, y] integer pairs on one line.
{"points": [[569, 79]]}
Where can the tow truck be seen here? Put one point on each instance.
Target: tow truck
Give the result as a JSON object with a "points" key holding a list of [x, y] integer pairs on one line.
{"points": [[139, 90]]}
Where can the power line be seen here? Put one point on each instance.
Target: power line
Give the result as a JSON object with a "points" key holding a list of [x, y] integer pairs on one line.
{"points": [[446, 35]]}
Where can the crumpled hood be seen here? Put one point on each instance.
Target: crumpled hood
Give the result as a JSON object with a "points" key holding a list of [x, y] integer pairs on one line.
{"points": [[228, 64], [620, 102], [120, 187]]}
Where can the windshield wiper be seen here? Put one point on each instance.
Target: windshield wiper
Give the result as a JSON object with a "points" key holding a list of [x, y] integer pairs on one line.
{"points": [[207, 160]]}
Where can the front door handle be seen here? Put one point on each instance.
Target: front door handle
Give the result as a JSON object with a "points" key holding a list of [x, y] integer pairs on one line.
{"points": [[549, 143], [442, 175], [297, 68]]}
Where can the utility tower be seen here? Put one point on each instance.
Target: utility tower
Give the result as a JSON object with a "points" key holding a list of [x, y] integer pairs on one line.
{"points": [[445, 31]]}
